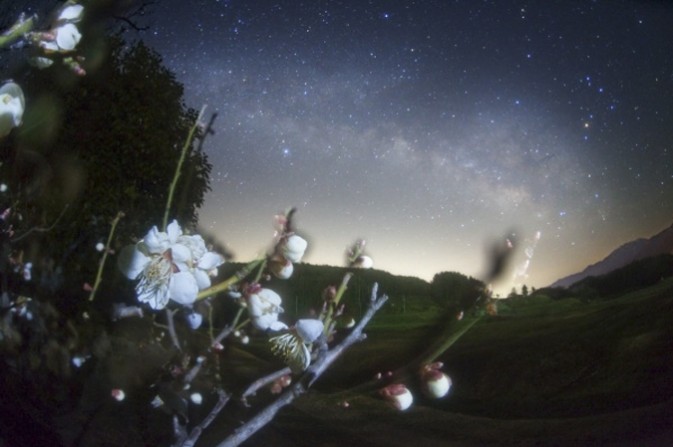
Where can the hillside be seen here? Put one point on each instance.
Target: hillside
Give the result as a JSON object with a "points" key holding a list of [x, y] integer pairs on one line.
{"points": [[543, 372], [631, 251]]}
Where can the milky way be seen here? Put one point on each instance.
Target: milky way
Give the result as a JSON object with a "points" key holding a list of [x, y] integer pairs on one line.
{"points": [[432, 128]]}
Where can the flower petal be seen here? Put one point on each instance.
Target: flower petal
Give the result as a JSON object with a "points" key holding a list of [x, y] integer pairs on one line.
{"points": [[131, 261], [67, 37], [309, 329], [202, 279], [277, 325], [210, 260], [72, 13], [156, 297], [181, 254], [174, 231], [183, 288], [156, 241]]}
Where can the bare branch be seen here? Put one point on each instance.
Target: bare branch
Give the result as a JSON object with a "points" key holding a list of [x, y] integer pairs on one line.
{"points": [[130, 16]]}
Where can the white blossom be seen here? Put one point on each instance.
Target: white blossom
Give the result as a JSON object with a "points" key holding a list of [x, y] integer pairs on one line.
{"points": [[281, 269], [364, 262], [71, 13], [294, 247], [264, 307], [196, 398], [169, 266], [12, 105]]}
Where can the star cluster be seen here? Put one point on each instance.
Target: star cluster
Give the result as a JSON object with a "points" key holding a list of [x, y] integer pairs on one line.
{"points": [[432, 128]]}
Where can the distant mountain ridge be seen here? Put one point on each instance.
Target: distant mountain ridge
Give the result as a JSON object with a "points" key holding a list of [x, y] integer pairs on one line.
{"points": [[632, 251]]}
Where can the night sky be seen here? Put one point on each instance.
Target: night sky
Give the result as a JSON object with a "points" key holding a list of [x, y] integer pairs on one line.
{"points": [[432, 129]]}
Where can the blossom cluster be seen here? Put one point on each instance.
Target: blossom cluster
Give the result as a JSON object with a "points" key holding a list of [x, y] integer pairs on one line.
{"points": [[62, 38], [169, 265]]}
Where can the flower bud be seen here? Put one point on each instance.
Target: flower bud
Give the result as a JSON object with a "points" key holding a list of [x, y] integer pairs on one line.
{"points": [[435, 383], [398, 395], [281, 269], [194, 320], [363, 262], [118, 394], [294, 248], [196, 398]]}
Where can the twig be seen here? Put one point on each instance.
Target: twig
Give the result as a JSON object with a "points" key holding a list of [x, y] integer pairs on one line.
{"points": [[263, 381], [42, 229], [196, 432], [171, 328], [324, 360], [22, 26], [106, 250], [178, 169]]}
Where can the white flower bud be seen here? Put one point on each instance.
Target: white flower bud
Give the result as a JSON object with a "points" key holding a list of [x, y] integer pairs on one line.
{"points": [[281, 269], [118, 394], [398, 395], [294, 248], [196, 398], [12, 104], [436, 386], [435, 383], [364, 262], [194, 320]]}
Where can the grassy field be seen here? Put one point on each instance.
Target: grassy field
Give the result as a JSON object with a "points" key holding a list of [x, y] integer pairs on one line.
{"points": [[541, 372]]}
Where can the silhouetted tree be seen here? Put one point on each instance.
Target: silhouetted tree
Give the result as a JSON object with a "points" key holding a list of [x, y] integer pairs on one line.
{"points": [[93, 146], [455, 289]]}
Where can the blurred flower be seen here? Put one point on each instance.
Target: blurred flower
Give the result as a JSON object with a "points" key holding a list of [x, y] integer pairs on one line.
{"points": [[27, 271], [356, 258], [66, 37], [12, 105], [120, 310], [398, 395], [78, 360], [63, 37], [264, 307], [100, 246], [118, 394], [281, 269], [363, 262], [293, 248], [435, 383], [196, 398], [169, 266], [71, 13], [194, 320]]}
